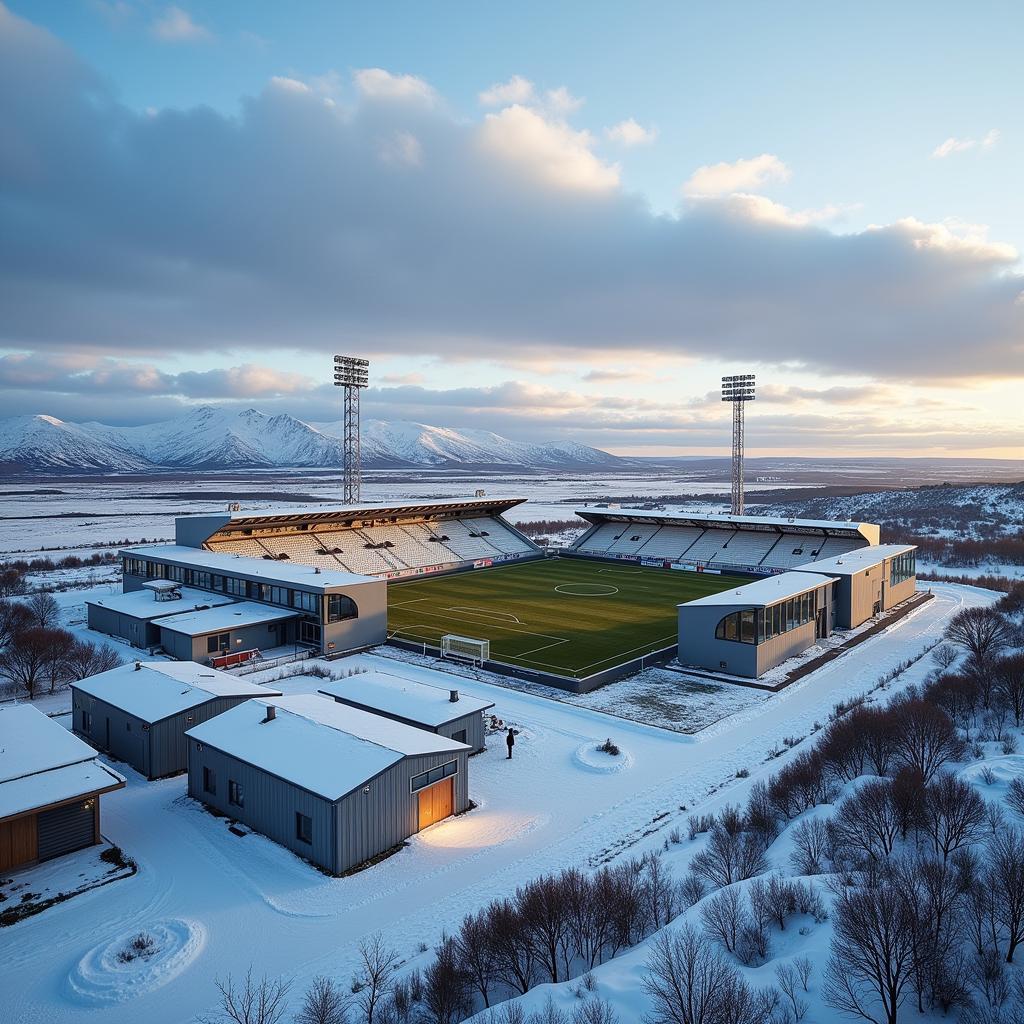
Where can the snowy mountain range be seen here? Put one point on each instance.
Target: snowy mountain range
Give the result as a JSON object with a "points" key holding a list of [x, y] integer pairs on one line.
{"points": [[209, 437]]}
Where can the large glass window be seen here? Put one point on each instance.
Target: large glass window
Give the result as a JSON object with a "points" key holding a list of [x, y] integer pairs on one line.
{"points": [[340, 606], [902, 568], [758, 625], [442, 771]]}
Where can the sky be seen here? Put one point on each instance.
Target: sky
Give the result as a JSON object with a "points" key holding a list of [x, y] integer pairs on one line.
{"points": [[553, 221]]}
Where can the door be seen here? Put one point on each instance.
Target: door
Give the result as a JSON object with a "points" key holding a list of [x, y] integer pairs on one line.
{"points": [[106, 745], [65, 829], [436, 802], [17, 842]]}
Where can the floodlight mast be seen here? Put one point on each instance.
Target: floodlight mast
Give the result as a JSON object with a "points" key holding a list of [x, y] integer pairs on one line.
{"points": [[352, 374], [738, 389]]}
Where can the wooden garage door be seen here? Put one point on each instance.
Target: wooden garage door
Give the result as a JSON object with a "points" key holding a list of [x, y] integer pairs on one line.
{"points": [[17, 842], [65, 829], [436, 802]]}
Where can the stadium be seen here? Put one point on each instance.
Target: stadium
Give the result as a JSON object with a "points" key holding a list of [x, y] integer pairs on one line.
{"points": [[730, 594]]}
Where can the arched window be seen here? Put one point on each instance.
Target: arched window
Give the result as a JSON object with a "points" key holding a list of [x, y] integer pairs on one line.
{"points": [[341, 606]]}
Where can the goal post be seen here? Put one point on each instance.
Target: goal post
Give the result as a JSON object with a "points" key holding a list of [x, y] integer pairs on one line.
{"points": [[467, 647]]}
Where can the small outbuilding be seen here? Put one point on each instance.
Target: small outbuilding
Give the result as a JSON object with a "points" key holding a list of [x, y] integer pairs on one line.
{"points": [[50, 788], [334, 784], [444, 711], [752, 628], [139, 713], [209, 633]]}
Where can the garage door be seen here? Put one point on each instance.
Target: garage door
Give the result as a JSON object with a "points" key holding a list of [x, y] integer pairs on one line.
{"points": [[436, 802], [65, 829]]}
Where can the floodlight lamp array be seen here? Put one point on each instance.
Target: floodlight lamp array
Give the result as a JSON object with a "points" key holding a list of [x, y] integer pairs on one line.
{"points": [[738, 388], [351, 372]]}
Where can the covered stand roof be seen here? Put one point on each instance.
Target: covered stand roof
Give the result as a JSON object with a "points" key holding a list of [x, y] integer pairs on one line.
{"points": [[321, 746], [713, 520], [197, 530], [160, 689], [405, 698], [41, 763], [766, 591]]}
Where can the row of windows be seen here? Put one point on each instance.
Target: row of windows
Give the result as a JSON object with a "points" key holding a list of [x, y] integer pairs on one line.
{"points": [[756, 625], [339, 606], [442, 771], [902, 567], [236, 797]]}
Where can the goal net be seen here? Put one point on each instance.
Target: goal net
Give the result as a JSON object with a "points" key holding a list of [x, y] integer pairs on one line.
{"points": [[467, 647]]}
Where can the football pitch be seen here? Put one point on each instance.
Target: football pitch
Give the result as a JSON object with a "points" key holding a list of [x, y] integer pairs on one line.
{"points": [[561, 615]]}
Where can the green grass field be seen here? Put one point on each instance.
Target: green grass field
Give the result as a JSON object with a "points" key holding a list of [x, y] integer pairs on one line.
{"points": [[566, 616]]}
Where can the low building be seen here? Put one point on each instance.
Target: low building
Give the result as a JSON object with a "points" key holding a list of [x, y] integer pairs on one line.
{"points": [[437, 709], [133, 616], [50, 788], [329, 610], [752, 628], [139, 713], [334, 784], [871, 580], [209, 633]]}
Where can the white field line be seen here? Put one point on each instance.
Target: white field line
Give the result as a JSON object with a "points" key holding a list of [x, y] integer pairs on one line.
{"points": [[507, 616], [610, 591], [494, 625]]}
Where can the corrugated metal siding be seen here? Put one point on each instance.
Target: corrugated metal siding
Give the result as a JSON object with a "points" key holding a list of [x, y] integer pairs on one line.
{"points": [[168, 742], [124, 739], [65, 829], [270, 803], [901, 592], [474, 726], [779, 648]]}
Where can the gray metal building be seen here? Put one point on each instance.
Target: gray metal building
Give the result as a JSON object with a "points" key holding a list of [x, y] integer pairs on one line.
{"points": [[439, 708], [334, 784], [205, 634], [752, 628], [133, 616], [869, 580], [138, 713]]}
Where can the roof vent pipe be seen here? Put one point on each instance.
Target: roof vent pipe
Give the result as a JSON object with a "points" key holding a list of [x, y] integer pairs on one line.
{"points": [[271, 714], [138, 666], [453, 695]]}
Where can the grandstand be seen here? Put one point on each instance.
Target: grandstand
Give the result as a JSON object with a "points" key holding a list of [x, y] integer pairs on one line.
{"points": [[750, 544], [388, 541]]}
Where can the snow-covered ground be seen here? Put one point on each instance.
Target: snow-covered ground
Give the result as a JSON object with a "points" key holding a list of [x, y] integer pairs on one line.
{"points": [[246, 901]]}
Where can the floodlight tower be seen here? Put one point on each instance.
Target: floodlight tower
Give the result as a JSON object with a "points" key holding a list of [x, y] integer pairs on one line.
{"points": [[352, 374], [738, 390]]}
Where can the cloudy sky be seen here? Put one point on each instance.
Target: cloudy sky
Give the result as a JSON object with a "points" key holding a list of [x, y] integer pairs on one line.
{"points": [[552, 221]]}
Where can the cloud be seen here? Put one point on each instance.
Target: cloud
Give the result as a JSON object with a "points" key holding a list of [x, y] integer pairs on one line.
{"points": [[175, 25], [516, 90], [954, 145], [630, 133], [189, 231], [401, 148], [760, 208], [562, 102], [740, 176], [549, 151], [376, 83]]}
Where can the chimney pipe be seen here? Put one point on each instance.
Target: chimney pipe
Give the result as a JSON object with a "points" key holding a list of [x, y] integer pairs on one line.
{"points": [[138, 666], [271, 714], [453, 695]]}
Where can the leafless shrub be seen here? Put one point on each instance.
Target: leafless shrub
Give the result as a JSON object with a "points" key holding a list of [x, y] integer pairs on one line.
{"points": [[323, 1003], [595, 1011], [378, 963], [788, 979], [812, 847], [724, 917], [262, 1001]]}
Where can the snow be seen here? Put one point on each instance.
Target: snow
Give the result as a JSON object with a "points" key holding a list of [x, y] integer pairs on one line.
{"points": [[766, 591], [274, 570], [691, 518], [160, 689], [142, 604], [317, 744], [30, 742], [537, 813], [855, 561], [413, 701], [55, 786], [228, 616]]}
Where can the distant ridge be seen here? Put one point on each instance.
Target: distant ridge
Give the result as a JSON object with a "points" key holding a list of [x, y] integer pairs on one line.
{"points": [[209, 437]]}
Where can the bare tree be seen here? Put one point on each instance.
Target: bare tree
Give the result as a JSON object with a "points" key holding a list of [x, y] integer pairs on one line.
{"points": [[871, 965], [379, 963], [1005, 856], [788, 979], [595, 1011], [263, 1001], [514, 958], [725, 916], [982, 631], [1009, 675], [446, 986], [323, 1003], [86, 659], [867, 823], [729, 857], [926, 738], [27, 659], [953, 815], [944, 656], [43, 610], [12, 582], [812, 847], [544, 909], [14, 618], [475, 952]]}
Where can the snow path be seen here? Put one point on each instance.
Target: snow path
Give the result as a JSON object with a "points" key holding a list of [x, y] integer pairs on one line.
{"points": [[257, 904]]}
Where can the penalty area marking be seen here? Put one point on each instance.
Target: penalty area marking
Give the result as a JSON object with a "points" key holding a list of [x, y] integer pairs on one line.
{"points": [[601, 590], [505, 616]]}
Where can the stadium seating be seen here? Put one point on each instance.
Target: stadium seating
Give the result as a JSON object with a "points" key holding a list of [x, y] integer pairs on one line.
{"points": [[633, 537], [793, 549], [602, 538], [670, 542], [249, 547], [746, 548], [839, 546], [499, 536], [708, 546], [465, 541]]}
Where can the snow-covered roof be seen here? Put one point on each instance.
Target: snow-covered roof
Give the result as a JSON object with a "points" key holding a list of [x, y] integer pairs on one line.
{"points": [[313, 742], [715, 519], [160, 689], [857, 560], [765, 591], [228, 616], [270, 569], [42, 763], [142, 604], [405, 698]]}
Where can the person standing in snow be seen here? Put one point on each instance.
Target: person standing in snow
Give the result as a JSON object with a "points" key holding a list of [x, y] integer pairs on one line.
{"points": [[510, 742]]}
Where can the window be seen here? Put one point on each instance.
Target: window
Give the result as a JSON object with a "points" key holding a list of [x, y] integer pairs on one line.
{"points": [[460, 736], [236, 795], [340, 607], [209, 780], [424, 779], [902, 568], [218, 642], [758, 625], [303, 827], [86, 721]]}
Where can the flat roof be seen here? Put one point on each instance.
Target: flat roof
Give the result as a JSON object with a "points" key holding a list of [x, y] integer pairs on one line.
{"points": [[142, 604], [857, 560], [765, 591], [716, 519], [228, 616], [405, 698], [271, 570], [160, 689], [317, 744]]}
